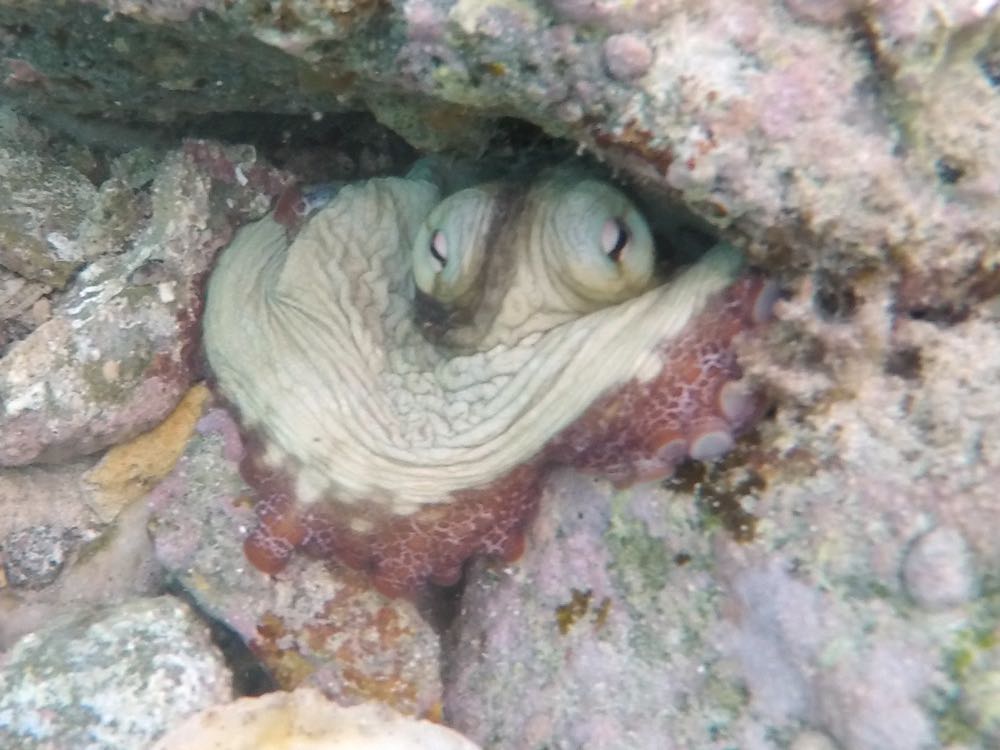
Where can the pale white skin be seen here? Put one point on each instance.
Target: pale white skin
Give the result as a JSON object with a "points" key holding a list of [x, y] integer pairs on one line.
{"points": [[316, 343], [567, 246]]}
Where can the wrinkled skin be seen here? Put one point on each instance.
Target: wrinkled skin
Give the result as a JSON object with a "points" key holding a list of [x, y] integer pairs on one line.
{"points": [[412, 367]]}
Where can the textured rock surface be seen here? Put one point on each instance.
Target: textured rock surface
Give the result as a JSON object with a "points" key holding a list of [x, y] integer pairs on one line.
{"points": [[622, 629], [837, 578], [305, 719], [97, 357], [115, 356], [114, 680], [834, 131], [312, 624], [74, 536]]}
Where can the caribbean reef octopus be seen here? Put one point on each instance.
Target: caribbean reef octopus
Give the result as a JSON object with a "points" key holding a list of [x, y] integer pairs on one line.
{"points": [[410, 365]]}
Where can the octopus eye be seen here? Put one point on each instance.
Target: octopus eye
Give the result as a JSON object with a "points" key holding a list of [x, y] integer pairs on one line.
{"points": [[614, 238], [439, 249]]}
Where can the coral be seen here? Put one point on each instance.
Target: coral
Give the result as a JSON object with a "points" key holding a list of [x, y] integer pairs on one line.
{"points": [[33, 557], [627, 56], [403, 458]]}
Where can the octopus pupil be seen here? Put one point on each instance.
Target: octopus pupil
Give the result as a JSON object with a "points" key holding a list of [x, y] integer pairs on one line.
{"points": [[438, 249], [615, 253]]}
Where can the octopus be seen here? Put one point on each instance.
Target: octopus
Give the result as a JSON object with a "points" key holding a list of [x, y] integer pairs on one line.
{"points": [[410, 364]]}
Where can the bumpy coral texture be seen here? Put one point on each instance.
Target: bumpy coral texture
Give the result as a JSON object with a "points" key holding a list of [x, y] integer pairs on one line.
{"points": [[666, 385]]}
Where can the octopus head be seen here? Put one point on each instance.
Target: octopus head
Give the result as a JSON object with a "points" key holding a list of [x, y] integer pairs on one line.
{"points": [[494, 263]]}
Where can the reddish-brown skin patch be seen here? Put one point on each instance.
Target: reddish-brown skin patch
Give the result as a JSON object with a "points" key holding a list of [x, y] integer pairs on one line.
{"points": [[290, 206], [433, 544], [634, 434], [400, 554], [637, 432], [279, 531]]}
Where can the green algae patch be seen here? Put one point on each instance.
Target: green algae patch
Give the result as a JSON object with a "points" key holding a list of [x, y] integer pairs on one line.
{"points": [[113, 381], [972, 712], [639, 559]]}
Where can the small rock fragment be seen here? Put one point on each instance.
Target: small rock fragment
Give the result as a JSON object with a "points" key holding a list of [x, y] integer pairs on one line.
{"points": [[41, 208], [103, 565], [33, 557], [627, 56]]}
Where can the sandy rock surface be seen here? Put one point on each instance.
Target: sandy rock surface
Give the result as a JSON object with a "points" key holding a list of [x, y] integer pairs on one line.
{"points": [[305, 720]]}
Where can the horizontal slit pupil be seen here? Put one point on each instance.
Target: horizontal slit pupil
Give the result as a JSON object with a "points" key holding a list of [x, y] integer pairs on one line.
{"points": [[439, 256], [620, 242]]}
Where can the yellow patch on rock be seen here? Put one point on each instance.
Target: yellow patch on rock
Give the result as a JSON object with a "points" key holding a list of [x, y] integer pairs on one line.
{"points": [[128, 471], [305, 720]]}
